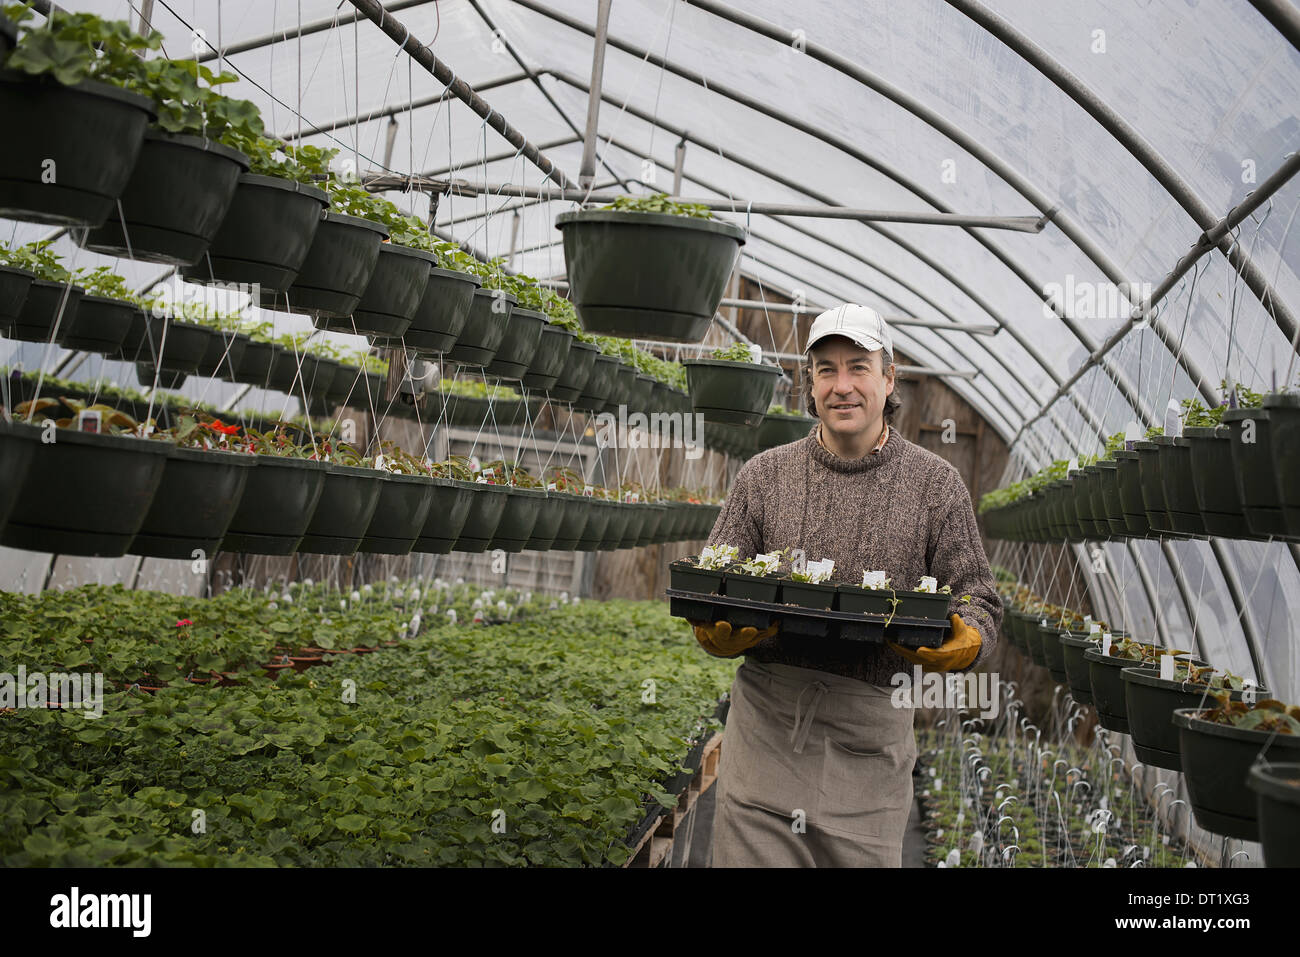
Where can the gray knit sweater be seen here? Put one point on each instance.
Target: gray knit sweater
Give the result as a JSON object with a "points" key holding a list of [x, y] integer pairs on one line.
{"points": [[903, 510]]}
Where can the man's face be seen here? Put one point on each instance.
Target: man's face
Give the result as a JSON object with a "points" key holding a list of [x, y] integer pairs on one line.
{"points": [[849, 386]]}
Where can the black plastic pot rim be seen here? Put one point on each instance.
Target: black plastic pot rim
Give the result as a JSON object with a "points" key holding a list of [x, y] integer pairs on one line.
{"points": [[400, 250], [288, 185], [93, 87], [1187, 718], [213, 456], [1277, 780], [650, 219], [200, 143], [1150, 678], [730, 364], [359, 221]]}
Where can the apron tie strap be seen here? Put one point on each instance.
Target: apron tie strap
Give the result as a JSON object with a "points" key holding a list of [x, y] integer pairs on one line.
{"points": [[802, 726]]}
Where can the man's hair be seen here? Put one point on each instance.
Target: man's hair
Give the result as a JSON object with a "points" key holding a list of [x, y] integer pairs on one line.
{"points": [[892, 402]]}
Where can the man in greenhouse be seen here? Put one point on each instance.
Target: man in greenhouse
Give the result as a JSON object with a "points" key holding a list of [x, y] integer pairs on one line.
{"points": [[818, 759]]}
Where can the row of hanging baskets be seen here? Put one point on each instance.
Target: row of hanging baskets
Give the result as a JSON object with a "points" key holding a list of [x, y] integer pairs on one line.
{"points": [[1220, 733], [82, 493], [1240, 480]]}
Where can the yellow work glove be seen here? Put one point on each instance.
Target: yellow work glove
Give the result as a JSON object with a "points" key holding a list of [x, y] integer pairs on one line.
{"points": [[958, 652], [721, 641]]}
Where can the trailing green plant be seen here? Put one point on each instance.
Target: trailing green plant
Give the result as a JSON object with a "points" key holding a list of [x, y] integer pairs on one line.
{"points": [[736, 352], [36, 257], [660, 203]]}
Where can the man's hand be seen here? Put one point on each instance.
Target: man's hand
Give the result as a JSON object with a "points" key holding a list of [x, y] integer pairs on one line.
{"points": [[721, 641], [958, 652]]}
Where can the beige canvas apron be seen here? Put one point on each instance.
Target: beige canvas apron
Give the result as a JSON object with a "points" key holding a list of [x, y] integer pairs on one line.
{"points": [[816, 771]]}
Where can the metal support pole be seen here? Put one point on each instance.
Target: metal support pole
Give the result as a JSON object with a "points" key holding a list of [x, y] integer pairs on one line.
{"points": [[1283, 15], [679, 163], [375, 12], [390, 137], [587, 172]]}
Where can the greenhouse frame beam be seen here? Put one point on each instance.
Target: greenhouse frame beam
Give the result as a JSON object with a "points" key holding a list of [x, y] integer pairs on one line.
{"points": [[587, 169], [1208, 241], [1140, 149], [1283, 15], [1010, 175], [399, 34]]}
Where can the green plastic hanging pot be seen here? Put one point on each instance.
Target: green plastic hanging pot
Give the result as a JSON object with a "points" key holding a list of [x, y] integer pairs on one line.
{"points": [[85, 494], [1252, 457], [441, 314], [1151, 702], [14, 286], [636, 519], [1108, 505], [1077, 672], [1130, 494], [523, 508], [485, 328], [1215, 481], [174, 202], [599, 385], [574, 512], [518, 345], [18, 442], [1284, 426], [391, 297], [342, 257], [638, 399], [485, 513], [549, 359], [621, 389], [656, 515], [1277, 796], [619, 517], [99, 325], [783, 429], [549, 519], [264, 237], [194, 504], [279, 503], [48, 308], [1153, 491], [734, 393], [1179, 489], [599, 517], [577, 370], [348, 500], [448, 513], [1216, 764], [225, 352], [404, 502], [89, 134], [647, 275]]}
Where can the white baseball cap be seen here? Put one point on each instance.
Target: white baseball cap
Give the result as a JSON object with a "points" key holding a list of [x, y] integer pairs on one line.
{"points": [[862, 324]]}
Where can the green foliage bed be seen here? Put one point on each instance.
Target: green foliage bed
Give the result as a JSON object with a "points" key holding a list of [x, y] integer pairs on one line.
{"points": [[537, 726]]}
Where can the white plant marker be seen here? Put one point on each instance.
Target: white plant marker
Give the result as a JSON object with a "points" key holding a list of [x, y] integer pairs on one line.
{"points": [[1167, 667], [1105, 644]]}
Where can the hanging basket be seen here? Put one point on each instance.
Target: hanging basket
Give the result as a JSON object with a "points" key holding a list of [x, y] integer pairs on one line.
{"points": [[15, 283], [523, 509], [174, 202], [1215, 481], [99, 325], [1179, 489], [347, 504], [265, 235], [1076, 668], [575, 510], [1151, 702], [448, 513], [404, 502], [1277, 796], [18, 442], [390, 298], [277, 508], [49, 305], [485, 327], [441, 314], [576, 371], [783, 429], [1216, 764], [647, 275], [636, 519], [88, 135], [655, 516], [1130, 494], [86, 494], [1256, 469], [620, 515], [599, 514], [194, 504], [518, 345], [486, 508], [548, 524], [599, 384], [224, 355], [621, 389], [1284, 425], [733, 393], [337, 270], [549, 359]]}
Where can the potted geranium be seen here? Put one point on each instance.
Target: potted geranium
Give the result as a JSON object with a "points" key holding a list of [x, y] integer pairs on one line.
{"points": [[731, 386], [1219, 746], [648, 267], [757, 578], [89, 482], [348, 501], [454, 492], [575, 508], [60, 82], [524, 507], [281, 496]]}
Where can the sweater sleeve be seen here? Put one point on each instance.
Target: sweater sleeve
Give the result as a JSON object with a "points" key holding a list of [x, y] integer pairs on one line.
{"points": [[955, 556], [740, 522]]}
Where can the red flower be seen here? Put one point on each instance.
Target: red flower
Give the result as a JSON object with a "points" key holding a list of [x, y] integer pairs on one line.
{"points": [[216, 426], [183, 623]]}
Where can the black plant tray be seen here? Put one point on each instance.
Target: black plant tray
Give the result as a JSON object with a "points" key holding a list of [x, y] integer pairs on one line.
{"points": [[844, 625]]}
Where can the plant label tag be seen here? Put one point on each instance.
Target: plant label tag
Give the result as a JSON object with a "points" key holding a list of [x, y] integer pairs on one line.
{"points": [[588, 491], [1166, 667], [379, 462], [1105, 644], [481, 478], [1071, 466], [552, 487], [1094, 627], [755, 352], [89, 420], [873, 579]]}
